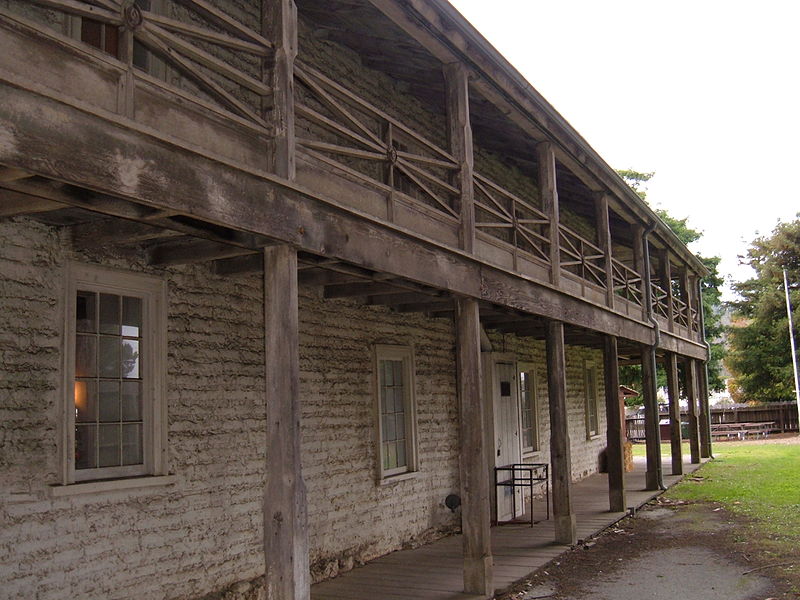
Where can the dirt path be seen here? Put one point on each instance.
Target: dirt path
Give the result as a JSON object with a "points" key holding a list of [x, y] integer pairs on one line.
{"points": [[669, 551]]}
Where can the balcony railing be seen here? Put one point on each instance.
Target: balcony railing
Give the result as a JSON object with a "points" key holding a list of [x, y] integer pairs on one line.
{"points": [[339, 128], [581, 257], [660, 300], [511, 219], [627, 283]]}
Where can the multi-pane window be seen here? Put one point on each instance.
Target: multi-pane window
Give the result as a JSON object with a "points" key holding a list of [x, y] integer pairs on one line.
{"points": [[396, 409], [590, 379], [530, 421], [108, 380], [115, 361]]}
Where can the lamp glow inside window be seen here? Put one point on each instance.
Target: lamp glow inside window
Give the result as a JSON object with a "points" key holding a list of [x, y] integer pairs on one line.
{"points": [[396, 410]]}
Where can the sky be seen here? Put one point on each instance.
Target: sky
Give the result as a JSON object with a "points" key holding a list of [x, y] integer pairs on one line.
{"points": [[705, 93]]}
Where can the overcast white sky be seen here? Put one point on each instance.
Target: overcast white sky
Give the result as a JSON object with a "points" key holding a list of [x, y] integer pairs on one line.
{"points": [[705, 93]]}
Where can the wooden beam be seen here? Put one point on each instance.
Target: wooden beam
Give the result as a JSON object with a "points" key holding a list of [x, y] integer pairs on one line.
{"points": [[443, 305], [653, 478], [665, 276], [548, 190], [457, 103], [402, 297], [17, 204], [287, 574], [604, 238], [704, 419], [673, 391], [249, 263], [638, 265], [560, 460], [190, 250], [8, 174], [116, 232], [615, 427], [692, 392], [367, 288], [475, 504]]}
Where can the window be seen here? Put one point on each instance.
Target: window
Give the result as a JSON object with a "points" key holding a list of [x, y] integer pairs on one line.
{"points": [[115, 356], [528, 408], [590, 381], [396, 411]]}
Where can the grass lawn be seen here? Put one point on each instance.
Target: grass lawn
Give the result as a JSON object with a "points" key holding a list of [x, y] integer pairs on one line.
{"points": [[759, 481], [641, 449]]}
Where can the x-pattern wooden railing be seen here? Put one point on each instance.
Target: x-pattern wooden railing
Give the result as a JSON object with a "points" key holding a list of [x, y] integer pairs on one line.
{"points": [[351, 131], [193, 50], [680, 311], [581, 257], [659, 299], [510, 218], [627, 282]]}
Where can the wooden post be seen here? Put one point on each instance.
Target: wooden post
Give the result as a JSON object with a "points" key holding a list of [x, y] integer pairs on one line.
{"points": [[549, 192], [279, 25], [560, 461], [671, 366], [638, 265], [475, 504], [614, 424], [457, 82], [665, 276], [654, 479], [604, 241], [704, 416], [691, 395], [285, 511]]}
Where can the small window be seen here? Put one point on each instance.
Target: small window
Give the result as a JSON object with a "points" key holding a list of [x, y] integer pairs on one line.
{"points": [[396, 410], [115, 357], [528, 408], [590, 381]]}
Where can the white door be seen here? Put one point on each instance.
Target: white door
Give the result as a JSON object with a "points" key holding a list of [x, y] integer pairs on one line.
{"points": [[507, 438]]}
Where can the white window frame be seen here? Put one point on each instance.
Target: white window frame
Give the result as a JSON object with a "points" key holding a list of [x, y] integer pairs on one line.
{"points": [[152, 291], [589, 406], [530, 369], [406, 355]]}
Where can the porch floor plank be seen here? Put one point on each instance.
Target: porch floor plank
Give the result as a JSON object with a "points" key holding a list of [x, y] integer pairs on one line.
{"points": [[434, 571]]}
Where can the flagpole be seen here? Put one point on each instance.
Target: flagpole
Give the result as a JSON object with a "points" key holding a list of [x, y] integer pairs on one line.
{"points": [[791, 340]]}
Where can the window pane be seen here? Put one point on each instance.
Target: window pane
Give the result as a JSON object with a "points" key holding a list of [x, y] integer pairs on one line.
{"points": [[85, 402], [387, 373], [389, 433], [131, 316], [85, 446], [109, 356], [109, 314], [85, 356], [131, 401], [132, 444], [400, 425], [130, 359], [86, 312], [397, 366], [401, 454], [109, 446], [391, 454], [109, 401]]}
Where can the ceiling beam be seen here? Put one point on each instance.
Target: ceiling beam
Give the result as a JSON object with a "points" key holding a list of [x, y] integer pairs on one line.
{"points": [[16, 204], [116, 232], [190, 250]]}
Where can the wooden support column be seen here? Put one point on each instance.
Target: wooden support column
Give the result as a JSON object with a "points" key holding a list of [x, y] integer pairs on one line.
{"points": [[704, 416], [279, 24], [691, 395], [665, 276], [638, 264], [475, 504], [673, 391], [604, 241], [285, 510], [614, 427], [654, 479], [457, 82], [549, 193], [560, 461]]}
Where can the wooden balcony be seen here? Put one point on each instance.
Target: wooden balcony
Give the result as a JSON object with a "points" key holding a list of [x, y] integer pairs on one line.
{"points": [[216, 101]]}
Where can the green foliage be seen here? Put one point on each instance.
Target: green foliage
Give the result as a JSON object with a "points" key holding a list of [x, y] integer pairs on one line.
{"points": [[710, 290], [760, 357]]}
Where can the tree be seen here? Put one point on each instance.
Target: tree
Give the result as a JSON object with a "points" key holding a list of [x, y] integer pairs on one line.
{"points": [[760, 356], [710, 289]]}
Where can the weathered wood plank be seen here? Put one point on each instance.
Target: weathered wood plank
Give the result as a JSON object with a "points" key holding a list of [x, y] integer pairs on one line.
{"points": [[548, 190], [604, 237], [560, 460], [14, 203], [691, 387], [285, 510], [475, 513], [191, 250], [460, 132], [652, 432]]}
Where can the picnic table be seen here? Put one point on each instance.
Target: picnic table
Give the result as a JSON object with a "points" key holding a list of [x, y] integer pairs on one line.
{"points": [[741, 431]]}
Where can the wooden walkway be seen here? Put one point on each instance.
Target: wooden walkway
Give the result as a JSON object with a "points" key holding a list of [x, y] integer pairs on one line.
{"points": [[434, 571]]}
